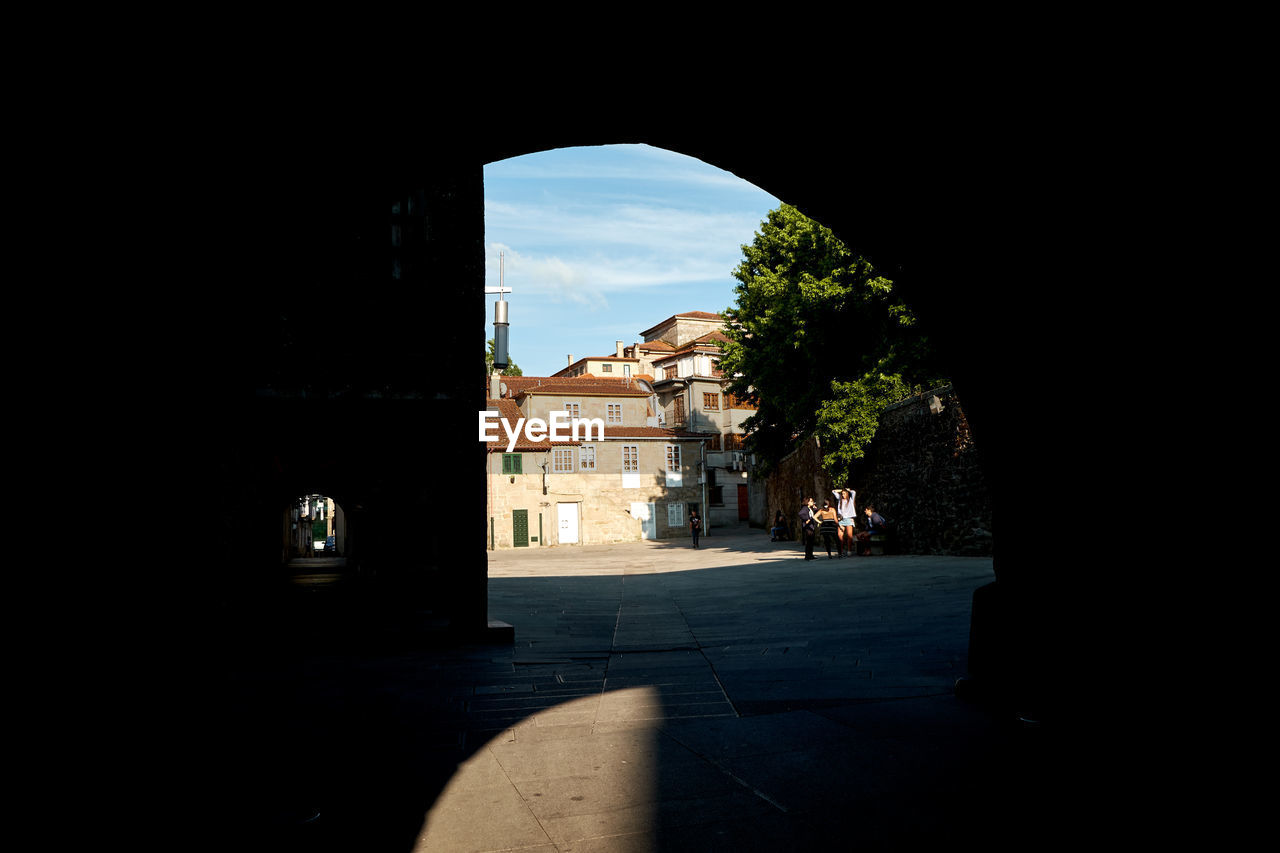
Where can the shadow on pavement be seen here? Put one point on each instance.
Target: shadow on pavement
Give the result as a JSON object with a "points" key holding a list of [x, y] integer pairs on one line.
{"points": [[752, 707]]}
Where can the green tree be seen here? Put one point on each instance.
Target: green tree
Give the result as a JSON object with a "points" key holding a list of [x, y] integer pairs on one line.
{"points": [[819, 341], [511, 370]]}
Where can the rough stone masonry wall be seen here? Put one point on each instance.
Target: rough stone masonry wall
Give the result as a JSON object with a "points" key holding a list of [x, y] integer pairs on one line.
{"points": [[798, 476], [921, 471]]}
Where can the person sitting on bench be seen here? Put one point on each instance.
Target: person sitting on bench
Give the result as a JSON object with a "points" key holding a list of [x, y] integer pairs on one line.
{"points": [[779, 530], [876, 526]]}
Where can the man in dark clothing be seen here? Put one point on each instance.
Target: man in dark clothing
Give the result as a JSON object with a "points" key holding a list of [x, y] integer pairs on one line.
{"points": [[875, 526], [875, 521], [808, 526]]}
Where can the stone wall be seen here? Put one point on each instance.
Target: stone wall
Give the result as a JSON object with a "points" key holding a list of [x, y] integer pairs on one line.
{"points": [[798, 476], [604, 499], [921, 471]]}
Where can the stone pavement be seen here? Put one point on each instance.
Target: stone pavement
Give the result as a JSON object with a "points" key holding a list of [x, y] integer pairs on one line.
{"points": [[657, 697]]}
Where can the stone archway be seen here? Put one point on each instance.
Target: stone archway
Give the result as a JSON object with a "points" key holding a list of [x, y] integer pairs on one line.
{"points": [[300, 213]]}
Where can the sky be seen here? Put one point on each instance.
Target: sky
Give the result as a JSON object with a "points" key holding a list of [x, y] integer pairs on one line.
{"points": [[600, 243]]}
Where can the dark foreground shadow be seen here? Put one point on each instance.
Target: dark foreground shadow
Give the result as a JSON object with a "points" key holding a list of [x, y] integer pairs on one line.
{"points": [[783, 708]]}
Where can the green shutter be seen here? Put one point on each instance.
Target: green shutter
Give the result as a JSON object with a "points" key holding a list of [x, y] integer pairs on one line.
{"points": [[512, 463], [520, 528]]}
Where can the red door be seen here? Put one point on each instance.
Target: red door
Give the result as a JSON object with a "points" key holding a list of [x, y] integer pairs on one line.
{"points": [[742, 503]]}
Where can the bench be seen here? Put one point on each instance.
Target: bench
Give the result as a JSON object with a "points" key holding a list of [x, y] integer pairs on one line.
{"points": [[877, 546]]}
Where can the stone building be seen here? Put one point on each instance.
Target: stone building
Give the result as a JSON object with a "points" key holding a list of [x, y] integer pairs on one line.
{"points": [[620, 480], [618, 365], [677, 363]]}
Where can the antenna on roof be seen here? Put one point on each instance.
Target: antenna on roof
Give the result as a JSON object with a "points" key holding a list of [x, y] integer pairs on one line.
{"points": [[500, 357]]}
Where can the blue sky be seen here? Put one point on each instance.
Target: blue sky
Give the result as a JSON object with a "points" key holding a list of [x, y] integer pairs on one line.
{"points": [[603, 242]]}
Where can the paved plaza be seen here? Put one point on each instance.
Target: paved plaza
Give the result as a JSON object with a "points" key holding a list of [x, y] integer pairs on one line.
{"points": [[734, 697]]}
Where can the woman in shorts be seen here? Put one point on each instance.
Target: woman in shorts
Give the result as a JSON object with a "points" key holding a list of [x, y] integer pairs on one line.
{"points": [[848, 517]]}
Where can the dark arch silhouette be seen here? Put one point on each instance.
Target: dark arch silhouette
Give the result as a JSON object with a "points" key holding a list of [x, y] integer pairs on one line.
{"points": [[306, 231], [295, 246]]}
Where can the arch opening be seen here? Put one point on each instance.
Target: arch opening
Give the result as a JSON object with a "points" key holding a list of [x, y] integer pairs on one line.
{"points": [[549, 249], [475, 592]]}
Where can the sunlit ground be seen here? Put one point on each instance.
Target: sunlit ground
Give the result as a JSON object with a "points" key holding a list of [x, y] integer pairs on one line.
{"points": [[661, 697], [643, 557], [585, 769]]}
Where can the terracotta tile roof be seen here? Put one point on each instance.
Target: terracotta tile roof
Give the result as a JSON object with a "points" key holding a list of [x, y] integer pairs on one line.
{"points": [[593, 386], [708, 343], [516, 383], [655, 345], [586, 384]]}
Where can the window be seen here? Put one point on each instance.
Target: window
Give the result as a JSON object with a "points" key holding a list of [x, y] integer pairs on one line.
{"points": [[673, 457], [615, 413], [630, 458], [587, 457], [606, 368], [626, 370], [717, 495], [669, 372], [573, 410], [512, 463], [562, 460], [711, 401], [677, 412], [675, 515]]}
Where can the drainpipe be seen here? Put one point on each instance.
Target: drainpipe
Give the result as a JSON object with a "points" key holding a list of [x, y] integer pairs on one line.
{"points": [[706, 513], [488, 487]]}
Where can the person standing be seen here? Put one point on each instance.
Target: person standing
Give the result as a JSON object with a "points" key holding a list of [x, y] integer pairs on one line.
{"points": [[695, 526], [808, 526], [848, 515], [827, 526]]}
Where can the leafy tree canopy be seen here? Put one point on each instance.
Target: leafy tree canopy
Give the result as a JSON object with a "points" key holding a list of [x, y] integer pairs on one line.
{"points": [[512, 368], [819, 341]]}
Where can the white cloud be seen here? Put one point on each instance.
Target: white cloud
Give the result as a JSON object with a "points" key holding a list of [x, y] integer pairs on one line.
{"points": [[613, 236], [639, 163]]}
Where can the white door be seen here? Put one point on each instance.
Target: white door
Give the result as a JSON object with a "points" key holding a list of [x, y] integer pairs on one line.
{"points": [[643, 512], [568, 513]]}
